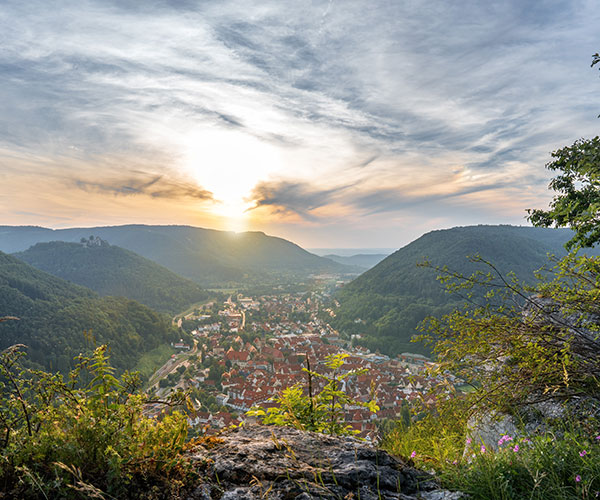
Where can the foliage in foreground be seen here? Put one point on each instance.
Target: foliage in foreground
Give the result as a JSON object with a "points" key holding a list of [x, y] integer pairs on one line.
{"points": [[577, 202], [86, 437], [564, 464], [322, 412], [526, 344]]}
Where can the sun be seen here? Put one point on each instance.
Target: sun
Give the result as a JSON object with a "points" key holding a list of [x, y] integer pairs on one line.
{"points": [[229, 164]]}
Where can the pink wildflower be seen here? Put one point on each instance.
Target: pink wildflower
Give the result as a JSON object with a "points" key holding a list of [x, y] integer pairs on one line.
{"points": [[516, 448], [582, 453], [482, 448], [469, 440], [413, 454], [577, 478]]}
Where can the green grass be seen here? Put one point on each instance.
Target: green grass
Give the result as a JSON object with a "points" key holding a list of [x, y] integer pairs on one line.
{"points": [[153, 360], [559, 465], [435, 441], [546, 467]]}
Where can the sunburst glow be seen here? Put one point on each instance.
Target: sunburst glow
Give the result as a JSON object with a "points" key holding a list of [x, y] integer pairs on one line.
{"points": [[229, 164]]}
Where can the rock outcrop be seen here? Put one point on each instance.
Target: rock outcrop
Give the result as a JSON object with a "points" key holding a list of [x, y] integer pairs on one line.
{"points": [[278, 463]]}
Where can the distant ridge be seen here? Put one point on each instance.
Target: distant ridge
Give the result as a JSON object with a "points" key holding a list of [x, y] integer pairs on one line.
{"points": [[386, 303], [111, 270], [362, 261], [206, 256]]}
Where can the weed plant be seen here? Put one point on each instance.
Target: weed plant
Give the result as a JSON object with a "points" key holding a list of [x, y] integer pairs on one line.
{"points": [[321, 412], [560, 464], [87, 437]]}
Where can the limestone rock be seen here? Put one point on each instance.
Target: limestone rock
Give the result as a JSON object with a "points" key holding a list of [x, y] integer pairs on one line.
{"points": [[279, 463]]}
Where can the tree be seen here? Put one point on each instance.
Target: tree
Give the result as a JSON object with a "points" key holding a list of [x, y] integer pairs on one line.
{"points": [[525, 344], [577, 204]]}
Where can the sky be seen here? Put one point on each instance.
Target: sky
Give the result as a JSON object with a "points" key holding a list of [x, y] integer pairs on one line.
{"points": [[329, 123]]}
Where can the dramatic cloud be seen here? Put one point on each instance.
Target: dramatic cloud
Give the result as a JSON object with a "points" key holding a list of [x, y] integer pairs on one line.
{"points": [[364, 109], [293, 198]]}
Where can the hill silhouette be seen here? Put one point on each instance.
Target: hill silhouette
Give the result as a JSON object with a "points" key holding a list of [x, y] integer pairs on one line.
{"points": [[111, 270]]}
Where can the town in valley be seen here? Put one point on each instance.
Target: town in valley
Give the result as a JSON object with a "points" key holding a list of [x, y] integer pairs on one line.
{"points": [[244, 351]]}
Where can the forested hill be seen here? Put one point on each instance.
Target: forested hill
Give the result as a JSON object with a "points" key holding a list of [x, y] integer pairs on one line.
{"points": [[386, 303], [111, 270], [54, 314], [206, 256]]}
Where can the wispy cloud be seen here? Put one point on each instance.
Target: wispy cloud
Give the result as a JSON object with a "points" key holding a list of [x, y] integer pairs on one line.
{"points": [[342, 93], [155, 186]]}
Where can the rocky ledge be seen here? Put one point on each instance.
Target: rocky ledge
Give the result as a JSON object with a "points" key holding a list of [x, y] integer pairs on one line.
{"points": [[259, 462]]}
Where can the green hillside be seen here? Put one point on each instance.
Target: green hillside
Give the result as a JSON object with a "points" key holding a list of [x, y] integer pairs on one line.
{"points": [[111, 270], [54, 314], [208, 257], [386, 303]]}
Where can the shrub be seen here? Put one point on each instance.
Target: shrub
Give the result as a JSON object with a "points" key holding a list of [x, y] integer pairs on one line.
{"points": [[525, 344], [321, 412], [87, 436]]}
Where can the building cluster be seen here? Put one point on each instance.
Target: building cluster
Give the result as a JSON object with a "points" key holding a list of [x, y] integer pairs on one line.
{"points": [[272, 358]]}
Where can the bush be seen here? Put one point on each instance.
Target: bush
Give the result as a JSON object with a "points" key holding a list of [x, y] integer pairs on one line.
{"points": [[525, 344], [522, 347], [86, 437]]}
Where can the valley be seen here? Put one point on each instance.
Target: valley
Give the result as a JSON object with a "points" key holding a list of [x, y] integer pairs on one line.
{"points": [[236, 353], [247, 350]]}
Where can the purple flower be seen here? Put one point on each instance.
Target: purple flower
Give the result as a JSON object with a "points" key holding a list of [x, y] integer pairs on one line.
{"points": [[516, 448], [598, 438], [469, 440], [582, 453], [504, 439], [577, 478], [482, 448], [413, 454]]}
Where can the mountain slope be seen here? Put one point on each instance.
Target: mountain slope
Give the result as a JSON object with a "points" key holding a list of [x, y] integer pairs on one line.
{"points": [[207, 256], [111, 270], [54, 314], [386, 303]]}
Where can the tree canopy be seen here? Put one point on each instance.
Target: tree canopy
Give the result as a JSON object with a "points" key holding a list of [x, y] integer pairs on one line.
{"points": [[577, 204]]}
